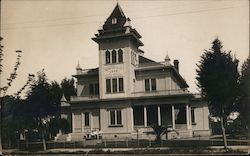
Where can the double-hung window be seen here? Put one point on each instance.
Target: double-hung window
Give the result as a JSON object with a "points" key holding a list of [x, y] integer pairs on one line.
{"points": [[114, 85], [94, 89], [150, 84], [107, 55], [86, 118], [115, 117]]}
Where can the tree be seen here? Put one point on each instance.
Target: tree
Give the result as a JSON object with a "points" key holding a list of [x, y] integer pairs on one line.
{"points": [[56, 95], [4, 89], [244, 100], [68, 88], [217, 76]]}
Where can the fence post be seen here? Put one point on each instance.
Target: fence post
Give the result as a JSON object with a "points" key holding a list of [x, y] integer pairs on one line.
{"points": [[127, 142], [138, 144], [149, 142], [105, 145], [161, 142], [64, 144], [83, 142]]}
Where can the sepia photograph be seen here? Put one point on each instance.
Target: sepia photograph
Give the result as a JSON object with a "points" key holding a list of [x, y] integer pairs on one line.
{"points": [[124, 77]]}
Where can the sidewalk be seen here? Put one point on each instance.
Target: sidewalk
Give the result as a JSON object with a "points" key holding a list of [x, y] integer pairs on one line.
{"points": [[157, 150]]}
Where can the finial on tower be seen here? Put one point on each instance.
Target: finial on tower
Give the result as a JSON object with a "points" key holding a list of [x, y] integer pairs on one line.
{"points": [[78, 68], [167, 59]]}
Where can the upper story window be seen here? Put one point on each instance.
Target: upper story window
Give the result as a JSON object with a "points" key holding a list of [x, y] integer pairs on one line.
{"points": [[114, 60], [94, 89], [114, 20], [114, 56], [150, 84], [114, 85], [120, 56], [107, 54]]}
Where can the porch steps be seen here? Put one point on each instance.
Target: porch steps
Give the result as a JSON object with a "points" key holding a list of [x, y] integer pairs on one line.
{"points": [[75, 137], [61, 137]]}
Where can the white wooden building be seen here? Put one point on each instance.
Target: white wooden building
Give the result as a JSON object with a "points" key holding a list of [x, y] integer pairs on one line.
{"points": [[128, 93]]}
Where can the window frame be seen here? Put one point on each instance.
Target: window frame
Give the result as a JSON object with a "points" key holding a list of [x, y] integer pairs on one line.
{"points": [[114, 122], [114, 57], [93, 89], [107, 57], [150, 85], [117, 88], [87, 122], [120, 56], [193, 116]]}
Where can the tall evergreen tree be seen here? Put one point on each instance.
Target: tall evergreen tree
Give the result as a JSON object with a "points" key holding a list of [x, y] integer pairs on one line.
{"points": [[68, 88], [217, 76], [244, 102]]}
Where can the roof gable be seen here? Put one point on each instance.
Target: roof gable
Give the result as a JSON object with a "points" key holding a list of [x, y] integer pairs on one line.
{"points": [[117, 14]]}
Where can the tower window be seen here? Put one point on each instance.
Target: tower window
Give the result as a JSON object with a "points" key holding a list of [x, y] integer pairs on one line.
{"points": [[114, 20], [114, 56], [107, 57], [120, 56]]}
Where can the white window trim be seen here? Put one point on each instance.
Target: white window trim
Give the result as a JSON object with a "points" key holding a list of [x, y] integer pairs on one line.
{"points": [[150, 85], [109, 114], [118, 85]]}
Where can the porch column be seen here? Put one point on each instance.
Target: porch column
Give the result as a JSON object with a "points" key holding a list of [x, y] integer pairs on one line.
{"points": [[173, 117], [91, 121], [159, 115], [187, 116], [145, 116], [73, 123], [132, 118], [190, 117], [82, 115]]}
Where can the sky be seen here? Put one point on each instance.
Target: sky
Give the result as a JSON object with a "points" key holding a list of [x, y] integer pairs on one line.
{"points": [[56, 34]]}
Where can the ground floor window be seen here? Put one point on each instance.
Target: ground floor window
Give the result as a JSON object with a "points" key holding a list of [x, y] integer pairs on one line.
{"points": [[166, 115], [138, 113], [152, 115], [192, 115], [115, 117], [86, 118], [180, 114]]}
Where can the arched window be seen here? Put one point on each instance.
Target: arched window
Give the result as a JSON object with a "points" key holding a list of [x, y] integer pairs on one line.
{"points": [[120, 56], [114, 56], [107, 57]]}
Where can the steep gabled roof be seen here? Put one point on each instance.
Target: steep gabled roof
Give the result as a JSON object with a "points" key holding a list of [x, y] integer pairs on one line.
{"points": [[120, 17], [117, 12]]}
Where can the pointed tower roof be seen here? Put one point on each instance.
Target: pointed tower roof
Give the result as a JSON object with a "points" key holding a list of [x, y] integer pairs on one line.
{"points": [[117, 12], [78, 66], [116, 19], [118, 26]]}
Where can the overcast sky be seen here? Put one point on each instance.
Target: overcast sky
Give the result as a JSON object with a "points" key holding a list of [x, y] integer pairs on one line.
{"points": [[56, 34]]}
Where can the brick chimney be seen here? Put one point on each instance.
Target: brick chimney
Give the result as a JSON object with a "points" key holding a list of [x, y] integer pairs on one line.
{"points": [[176, 65]]}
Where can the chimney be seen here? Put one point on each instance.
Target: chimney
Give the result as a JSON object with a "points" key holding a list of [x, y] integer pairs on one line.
{"points": [[176, 65]]}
